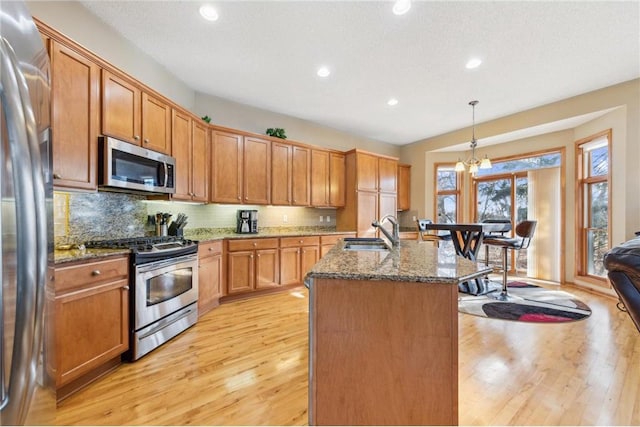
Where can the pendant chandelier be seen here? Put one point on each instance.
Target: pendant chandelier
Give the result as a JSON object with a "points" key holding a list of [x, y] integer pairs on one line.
{"points": [[472, 162]]}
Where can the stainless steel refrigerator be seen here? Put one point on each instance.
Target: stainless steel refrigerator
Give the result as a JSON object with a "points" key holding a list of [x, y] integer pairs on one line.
{"points": [[26, 229]]}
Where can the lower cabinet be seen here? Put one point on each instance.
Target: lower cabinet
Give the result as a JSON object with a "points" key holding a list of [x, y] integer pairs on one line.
{"points": [[252, 264], [210, 276], [91, 317], [297, 256]]}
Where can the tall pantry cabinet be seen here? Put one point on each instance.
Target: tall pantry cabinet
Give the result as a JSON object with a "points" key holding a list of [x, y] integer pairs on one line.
{"points": [[371, 192]]}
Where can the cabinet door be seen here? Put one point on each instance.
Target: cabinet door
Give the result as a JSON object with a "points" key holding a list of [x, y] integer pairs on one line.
{"points": [[301, 176], [199, 162], [404, 187], [257, 176], [367, 172], [226, 176], [319, 178], [75, 117], [387, 175], [90, 328], [280, 173], [367, 213], [308, 258], [181, 141], [267, 268], [240, 272], [336, 180], [156, 124], [209, 283], [290, 266], [120, 108], [388, 206]]}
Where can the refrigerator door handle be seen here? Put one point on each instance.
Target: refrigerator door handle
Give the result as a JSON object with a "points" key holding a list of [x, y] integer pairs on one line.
{"points": [[31, 253]]}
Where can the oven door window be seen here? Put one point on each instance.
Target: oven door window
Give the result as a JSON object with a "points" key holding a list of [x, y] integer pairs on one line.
{"points": [[168, 285]]}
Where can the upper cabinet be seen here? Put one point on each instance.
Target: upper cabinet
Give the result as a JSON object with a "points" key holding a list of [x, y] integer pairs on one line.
{"points": [[75, 84], [241, 169], [404, 187], [134, 116], [301, 176], [190, 149], [290, 175], [387, 175], [327, 179]]}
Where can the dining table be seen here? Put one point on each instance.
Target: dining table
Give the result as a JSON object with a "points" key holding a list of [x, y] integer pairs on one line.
{"points": [[467, 240]]}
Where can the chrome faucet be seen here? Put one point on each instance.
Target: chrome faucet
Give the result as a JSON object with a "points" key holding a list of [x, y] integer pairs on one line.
{"points": [[393, 238]]}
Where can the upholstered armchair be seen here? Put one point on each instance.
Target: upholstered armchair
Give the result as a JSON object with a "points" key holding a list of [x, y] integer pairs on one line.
{"points": [[623, 265]]}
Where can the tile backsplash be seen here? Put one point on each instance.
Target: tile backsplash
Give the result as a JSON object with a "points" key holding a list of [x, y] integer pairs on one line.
{"points": [[79, 217]]}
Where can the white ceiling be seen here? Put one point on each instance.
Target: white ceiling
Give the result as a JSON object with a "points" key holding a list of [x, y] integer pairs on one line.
{"points": [[266, 53]]}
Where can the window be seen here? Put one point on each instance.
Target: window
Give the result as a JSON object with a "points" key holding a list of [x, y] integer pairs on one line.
{"points": [[593, 159], [447, 194]]}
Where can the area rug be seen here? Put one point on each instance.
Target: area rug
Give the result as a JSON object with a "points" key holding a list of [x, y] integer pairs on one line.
{"points": [[534, 304]]}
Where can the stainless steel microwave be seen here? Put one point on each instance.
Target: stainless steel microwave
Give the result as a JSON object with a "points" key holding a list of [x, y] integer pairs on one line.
{"points": [[123, 166]]}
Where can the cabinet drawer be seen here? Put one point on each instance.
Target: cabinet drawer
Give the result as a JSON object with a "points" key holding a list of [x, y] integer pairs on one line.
{"points": [[209, 249], [90, 273], [251, 244], [288, 242], [333, 239]]}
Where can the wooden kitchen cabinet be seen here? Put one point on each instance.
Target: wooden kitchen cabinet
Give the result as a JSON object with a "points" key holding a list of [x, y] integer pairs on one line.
{"points": [[241, 169], [371, 192], [75, 115], [301, 176], [210, 276], [252, 264], [404, 187], [327, 179], [297, 256], [91, 318], [134, 116], [319, 178], [336, 179], [190, 149]]}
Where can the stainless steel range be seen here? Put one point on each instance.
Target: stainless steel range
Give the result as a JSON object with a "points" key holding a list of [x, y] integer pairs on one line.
{"points": [[164, 289]]}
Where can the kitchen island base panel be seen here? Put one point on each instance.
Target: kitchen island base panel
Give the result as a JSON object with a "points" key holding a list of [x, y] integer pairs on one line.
{"points": [[383, 353]]}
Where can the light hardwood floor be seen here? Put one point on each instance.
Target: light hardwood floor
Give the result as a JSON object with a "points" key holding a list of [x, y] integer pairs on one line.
{"points": [[245, 363]]}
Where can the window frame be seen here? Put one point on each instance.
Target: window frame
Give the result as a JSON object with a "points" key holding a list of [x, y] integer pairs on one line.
{"points": [[582, 184], [457, 192]]}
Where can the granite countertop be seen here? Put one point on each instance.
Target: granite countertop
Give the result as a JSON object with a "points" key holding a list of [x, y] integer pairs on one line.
{"points": [[201, 235], [412, 261]]}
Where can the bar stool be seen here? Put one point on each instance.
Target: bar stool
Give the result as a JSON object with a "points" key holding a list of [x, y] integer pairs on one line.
{"points": [[428, 235], [495, 233], [524, 234]]}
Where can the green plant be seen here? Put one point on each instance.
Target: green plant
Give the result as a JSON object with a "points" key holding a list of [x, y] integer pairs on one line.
{"points": [[276, 132], [207, 119]]}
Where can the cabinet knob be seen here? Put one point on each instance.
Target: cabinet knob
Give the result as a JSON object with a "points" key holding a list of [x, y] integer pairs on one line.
{"points": [[246, 198], [136, 137], [239, 198], [255, 244], [126, 288], [251, 256], [258, 255], [96, 273], [57, 176], [300, 241], [210, 249], [146, 141]]}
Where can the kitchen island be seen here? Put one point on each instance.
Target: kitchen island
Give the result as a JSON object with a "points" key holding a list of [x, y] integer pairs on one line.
{"points": [[383, 335]]}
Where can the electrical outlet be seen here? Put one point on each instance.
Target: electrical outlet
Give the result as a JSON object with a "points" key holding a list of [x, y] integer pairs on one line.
{"points": [[285, 218], [328, 218], [321, 218], [414, 218]]}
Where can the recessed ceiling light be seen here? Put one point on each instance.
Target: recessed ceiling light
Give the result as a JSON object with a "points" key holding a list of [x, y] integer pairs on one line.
{"points": [[392, 101], [208, 12], [400, 7], [473, 63], [323, 72]]}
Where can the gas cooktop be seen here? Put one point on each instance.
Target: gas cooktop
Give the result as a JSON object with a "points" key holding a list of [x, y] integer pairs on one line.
{"points": [[148, 245]]}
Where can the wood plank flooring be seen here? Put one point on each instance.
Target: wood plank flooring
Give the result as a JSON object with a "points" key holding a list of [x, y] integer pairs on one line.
{"points": [[245, 363]]}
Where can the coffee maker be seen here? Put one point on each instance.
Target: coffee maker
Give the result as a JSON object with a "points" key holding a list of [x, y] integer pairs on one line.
{"points": [[247, 221]]}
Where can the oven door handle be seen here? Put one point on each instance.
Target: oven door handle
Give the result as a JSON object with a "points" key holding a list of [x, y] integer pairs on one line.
{"points": [[171, 262], [164, 323]]}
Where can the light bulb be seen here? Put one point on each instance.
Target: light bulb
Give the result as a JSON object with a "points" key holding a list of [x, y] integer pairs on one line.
{"points": [[208, 12], [459, 166], [473, 168], [400, 7], [485, 163]]}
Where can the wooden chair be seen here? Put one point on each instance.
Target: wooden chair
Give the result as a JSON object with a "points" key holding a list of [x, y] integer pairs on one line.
{"points": [[524, 234]]}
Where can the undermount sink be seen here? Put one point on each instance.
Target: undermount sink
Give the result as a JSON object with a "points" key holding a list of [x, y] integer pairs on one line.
{"points": [[365, 244]]}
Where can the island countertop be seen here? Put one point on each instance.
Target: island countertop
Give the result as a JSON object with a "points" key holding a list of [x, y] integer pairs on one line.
{"points": [[412, 261]]}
